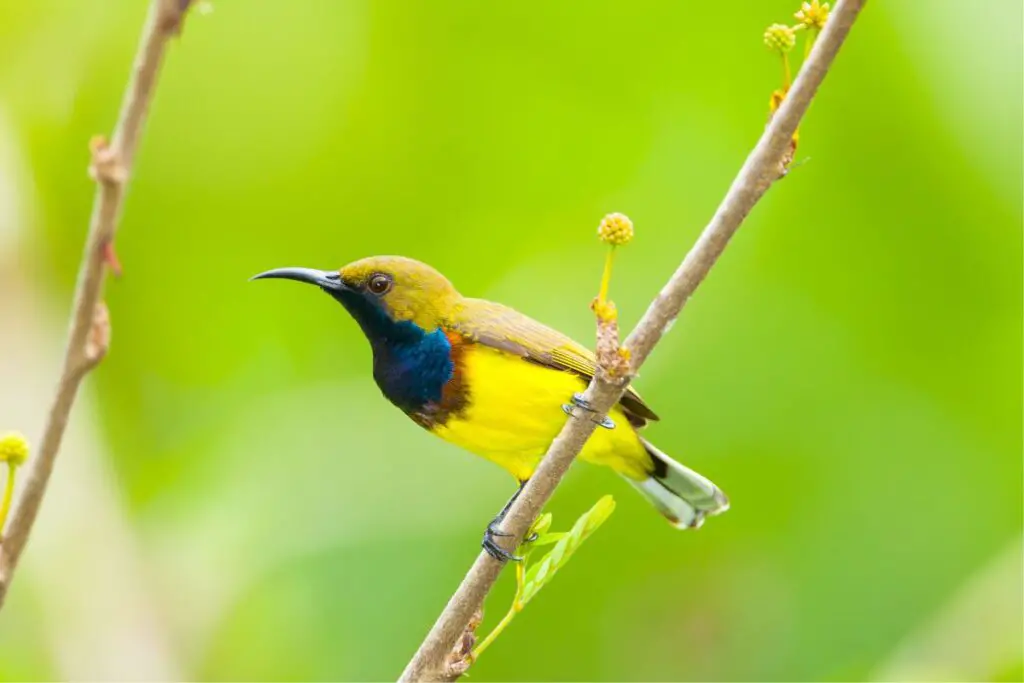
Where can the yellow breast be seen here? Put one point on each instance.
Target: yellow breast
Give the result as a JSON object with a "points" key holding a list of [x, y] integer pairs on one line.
{"points": [[514, 412]]}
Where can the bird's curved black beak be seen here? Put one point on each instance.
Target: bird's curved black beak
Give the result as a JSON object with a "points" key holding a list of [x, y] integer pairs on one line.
{"points": [[328, 280]]}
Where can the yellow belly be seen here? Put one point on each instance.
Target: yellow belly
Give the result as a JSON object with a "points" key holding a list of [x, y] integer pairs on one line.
{"points": [[515, 412]]}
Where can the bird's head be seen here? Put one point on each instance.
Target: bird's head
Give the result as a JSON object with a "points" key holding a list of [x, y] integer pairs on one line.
{"points": [[383, 293]]}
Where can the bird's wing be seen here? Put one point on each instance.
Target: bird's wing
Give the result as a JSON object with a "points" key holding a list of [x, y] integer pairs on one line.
{"points": [[501, 327]]}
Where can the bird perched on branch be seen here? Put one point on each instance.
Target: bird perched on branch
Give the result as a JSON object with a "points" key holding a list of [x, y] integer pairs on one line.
{"points": [[496, 382]]}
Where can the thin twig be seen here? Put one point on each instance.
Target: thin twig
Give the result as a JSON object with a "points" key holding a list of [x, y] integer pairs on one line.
{"points": [[89, 333], [761, 169]]}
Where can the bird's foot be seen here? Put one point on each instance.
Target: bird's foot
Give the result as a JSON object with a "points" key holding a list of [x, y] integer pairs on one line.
{"points": [[582, 403], [490, 545], [579, 402]]}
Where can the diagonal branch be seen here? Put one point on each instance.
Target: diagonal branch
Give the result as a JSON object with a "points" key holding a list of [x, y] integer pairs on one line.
{"points": [[89, 333], [762, 168]]}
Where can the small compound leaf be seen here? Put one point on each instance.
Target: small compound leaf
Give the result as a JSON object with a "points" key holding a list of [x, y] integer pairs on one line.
{"points": [[548, 539], [541, 573]]}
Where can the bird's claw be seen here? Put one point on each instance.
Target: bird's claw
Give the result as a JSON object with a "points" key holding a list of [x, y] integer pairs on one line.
{"points": [[579, 402], [493, 549], [493, 530]]}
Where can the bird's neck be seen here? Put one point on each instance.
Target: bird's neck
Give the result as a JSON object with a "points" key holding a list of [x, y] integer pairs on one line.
{"points": [[413, 372], [376, 324], [411, 365]]}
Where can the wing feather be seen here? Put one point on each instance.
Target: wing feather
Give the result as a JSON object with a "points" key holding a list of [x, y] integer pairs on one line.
{"points": [[501, 327]]}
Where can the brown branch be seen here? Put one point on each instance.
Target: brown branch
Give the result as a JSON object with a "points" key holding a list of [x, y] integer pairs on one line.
{"points": [[762, 167], [89, 333]]}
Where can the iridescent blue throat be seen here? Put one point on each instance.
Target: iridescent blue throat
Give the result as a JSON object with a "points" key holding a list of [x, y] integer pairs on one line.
{"points": [[410, 365]]}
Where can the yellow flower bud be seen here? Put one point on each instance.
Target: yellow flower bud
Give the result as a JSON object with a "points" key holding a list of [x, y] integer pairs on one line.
{"points": [[616, 229], [780, 38], [13, 448], [813, 14]]}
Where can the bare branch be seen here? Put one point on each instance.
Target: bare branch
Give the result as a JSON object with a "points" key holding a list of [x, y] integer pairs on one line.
{"points": [[762, 168], [89, 333]]}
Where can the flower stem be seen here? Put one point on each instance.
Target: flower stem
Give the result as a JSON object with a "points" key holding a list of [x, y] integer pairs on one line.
{"points": [[5, 506], [516, 608], [812, 34], [505, 621], [606, 277]]}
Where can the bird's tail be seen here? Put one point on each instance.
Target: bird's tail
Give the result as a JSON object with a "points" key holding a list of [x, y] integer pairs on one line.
{"points": [[680, 494]]}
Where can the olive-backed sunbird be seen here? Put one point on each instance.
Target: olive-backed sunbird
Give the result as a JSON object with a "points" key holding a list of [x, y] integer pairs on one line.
{"points": [[496, 382]]}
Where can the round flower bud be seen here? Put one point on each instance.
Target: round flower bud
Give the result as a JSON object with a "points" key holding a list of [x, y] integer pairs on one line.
{"points": [[813, 14], [780, 38], [13, 448], [616, 229]]}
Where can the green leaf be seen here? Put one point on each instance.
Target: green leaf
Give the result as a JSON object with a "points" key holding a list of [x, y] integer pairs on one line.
{"points": [[547, 539], [541, 525], [541, 573]]}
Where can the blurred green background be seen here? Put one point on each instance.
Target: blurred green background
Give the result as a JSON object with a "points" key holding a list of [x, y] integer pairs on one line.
{"points": [[236, 501]]}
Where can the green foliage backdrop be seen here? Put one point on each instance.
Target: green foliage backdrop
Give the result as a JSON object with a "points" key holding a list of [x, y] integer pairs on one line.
{"points": [[850, 373]]}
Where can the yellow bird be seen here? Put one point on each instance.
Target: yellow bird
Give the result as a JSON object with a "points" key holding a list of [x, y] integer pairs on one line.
{"points": [[496, 382]]}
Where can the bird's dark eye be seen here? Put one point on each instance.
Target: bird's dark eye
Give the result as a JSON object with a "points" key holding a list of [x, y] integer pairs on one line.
{"points": [[379, 283]]}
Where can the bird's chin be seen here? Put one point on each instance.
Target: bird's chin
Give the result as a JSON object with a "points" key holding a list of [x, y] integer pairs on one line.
{"points": [[343, 296]]}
